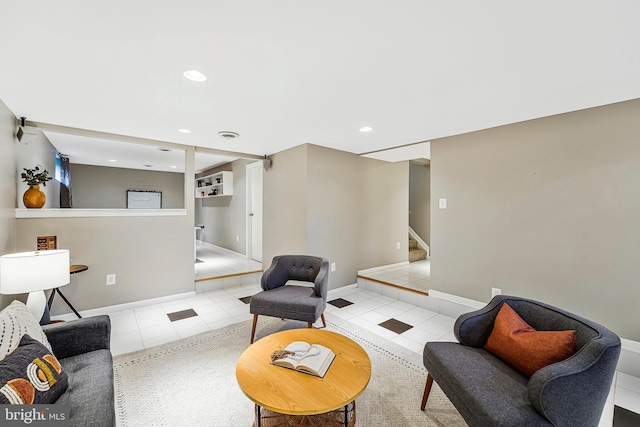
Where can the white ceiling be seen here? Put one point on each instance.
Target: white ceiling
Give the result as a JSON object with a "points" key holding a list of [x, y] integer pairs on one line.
{"points": [[105, 152], [284, 73]]}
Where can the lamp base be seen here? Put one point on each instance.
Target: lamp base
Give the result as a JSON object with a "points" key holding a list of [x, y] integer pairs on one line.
{"points": [[37, 304]]}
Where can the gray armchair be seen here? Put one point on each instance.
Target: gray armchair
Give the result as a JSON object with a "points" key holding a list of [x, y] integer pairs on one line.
{"points": [[487, 391], [295, 302]]}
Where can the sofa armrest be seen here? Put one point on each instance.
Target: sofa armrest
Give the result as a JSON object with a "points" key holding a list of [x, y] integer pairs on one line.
{"points": [[79, 336], [574, 391], [473, 328], [322, 280], [274, 276]]}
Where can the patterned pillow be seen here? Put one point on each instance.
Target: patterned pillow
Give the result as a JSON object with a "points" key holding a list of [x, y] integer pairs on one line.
{"points": [[16, 321], [31, 375]]}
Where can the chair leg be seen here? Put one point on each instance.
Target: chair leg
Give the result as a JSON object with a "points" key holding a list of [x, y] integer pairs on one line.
{"points": [[427, 390], [309, 325], [323, 321], [253, 328]]}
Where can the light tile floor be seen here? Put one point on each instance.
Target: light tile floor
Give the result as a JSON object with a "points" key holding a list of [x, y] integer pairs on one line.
{"points": [[148, 326], [212, 261], [415, 275]]}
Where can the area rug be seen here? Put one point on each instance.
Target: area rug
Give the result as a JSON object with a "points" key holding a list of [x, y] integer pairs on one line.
{"points": [[192, 382]]}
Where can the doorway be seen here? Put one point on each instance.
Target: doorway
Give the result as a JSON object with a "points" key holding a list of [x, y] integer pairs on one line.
{"points": [[255, 173]]}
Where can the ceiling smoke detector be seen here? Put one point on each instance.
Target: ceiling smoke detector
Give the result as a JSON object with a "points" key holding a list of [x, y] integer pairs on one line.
{"points": [[228, 134]]}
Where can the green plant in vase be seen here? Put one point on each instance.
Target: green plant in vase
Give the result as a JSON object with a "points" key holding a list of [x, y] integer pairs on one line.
{"points": [[34, 197]]}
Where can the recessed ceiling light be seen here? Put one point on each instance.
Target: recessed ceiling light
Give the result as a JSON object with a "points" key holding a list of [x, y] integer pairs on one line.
{"points": [[112, 160], [365, 129], [226, 134], [195, 75], [173, 166], [184, 130]]}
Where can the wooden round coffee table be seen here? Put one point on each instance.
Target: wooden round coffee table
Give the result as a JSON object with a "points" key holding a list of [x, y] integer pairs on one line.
{"points": [[279, 392]]}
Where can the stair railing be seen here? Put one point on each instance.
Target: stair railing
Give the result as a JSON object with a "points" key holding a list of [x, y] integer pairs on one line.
{"points": [[421, 243]]}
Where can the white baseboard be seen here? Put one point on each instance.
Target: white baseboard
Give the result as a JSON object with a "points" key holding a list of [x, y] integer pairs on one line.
{"points": [[125, 306], [630, 358], [341, 289], [470, 303]]}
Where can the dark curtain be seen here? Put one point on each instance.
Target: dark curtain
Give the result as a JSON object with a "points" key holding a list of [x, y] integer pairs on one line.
{"points": [[66, 201]]}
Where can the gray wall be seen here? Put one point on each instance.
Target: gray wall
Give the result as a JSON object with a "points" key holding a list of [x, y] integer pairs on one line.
{"points": [[384, 213], [284, 212], [151, 256], [547, 209], [8, 196], [335, 204], [333, 211], [106, 187], [420, 200], [224, 218]]}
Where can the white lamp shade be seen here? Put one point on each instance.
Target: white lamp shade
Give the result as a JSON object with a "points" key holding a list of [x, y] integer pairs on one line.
{"points": [[33, 271]]}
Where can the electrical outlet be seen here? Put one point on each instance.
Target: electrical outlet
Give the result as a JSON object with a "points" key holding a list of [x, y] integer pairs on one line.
{"points": [[333, 266], [442, 203], [237, 238], [397, 245], [111, 279], [495, 291]]}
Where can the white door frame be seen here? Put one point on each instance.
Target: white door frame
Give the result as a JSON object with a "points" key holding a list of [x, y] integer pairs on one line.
{"points": [[249, 213]]}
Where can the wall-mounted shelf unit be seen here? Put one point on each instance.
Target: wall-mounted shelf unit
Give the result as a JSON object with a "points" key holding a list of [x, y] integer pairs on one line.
{"points": [[215, 185]]}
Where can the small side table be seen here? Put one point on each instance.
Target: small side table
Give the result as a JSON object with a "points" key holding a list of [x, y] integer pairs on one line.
{"points": [[78, 268]]}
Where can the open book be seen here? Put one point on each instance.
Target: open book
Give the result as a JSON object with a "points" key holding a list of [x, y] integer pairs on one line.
{"points": [[313, 359]]}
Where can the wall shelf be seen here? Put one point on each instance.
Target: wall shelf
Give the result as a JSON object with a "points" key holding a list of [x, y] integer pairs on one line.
{"points": [[215, 185], [94, 213]]}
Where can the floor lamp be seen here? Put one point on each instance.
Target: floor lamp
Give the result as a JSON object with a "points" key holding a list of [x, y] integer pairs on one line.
{"points": [[33, 273]]}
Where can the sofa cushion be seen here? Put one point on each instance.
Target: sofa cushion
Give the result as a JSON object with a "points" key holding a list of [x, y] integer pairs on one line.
{"points": [[521, 346], [289, 301], [16, 321], [31, 374], [485, 390], [90, 394]]}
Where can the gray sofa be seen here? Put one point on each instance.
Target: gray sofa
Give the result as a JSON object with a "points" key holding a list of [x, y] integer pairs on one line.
{"points": [[82, 347], [488, 392]]}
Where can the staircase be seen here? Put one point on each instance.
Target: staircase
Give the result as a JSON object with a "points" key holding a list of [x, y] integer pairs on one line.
{"points": [[415, 253]]}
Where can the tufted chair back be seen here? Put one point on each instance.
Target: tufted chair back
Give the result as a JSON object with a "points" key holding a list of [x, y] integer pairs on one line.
{"points": [[304, 268]]}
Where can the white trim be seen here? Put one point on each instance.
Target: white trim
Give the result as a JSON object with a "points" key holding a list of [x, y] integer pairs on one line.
{"points": [[94, 213], [248, 236], [629, 345], [456, 299], [342, 288], [383, 267], [110, 309], [421, 243]]}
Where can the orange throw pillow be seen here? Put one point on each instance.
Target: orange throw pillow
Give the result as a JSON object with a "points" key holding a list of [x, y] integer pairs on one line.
{"points": [[524, 348]]}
